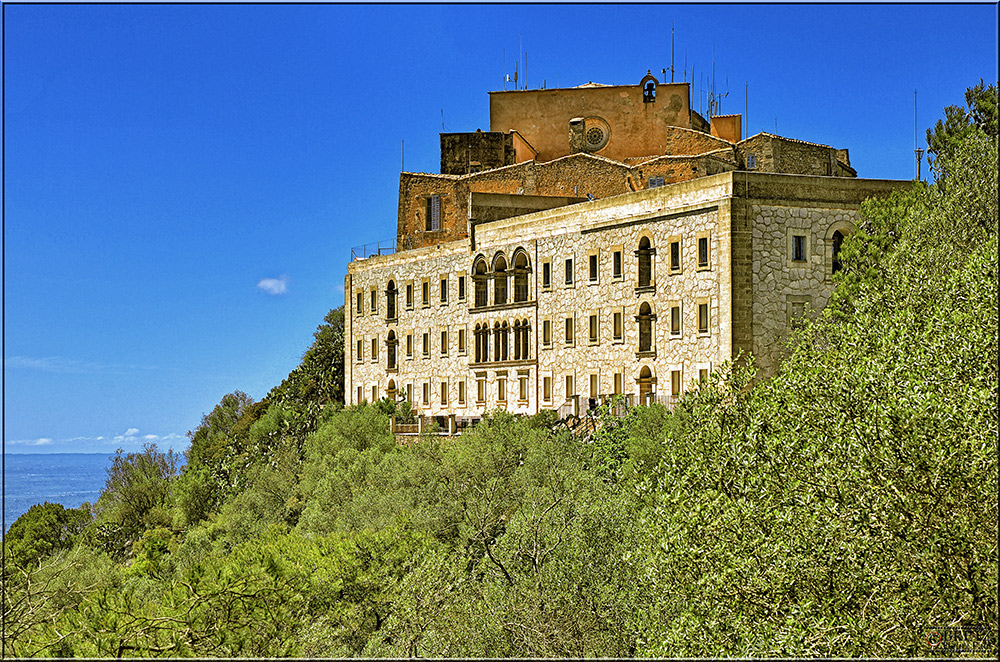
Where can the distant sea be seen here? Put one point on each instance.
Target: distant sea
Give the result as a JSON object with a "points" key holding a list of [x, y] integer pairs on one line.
{"points": [[71, 479]]}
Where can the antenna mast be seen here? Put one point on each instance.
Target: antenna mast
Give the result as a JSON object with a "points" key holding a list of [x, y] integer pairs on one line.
{"points": [[671, 52], [917, 152]]}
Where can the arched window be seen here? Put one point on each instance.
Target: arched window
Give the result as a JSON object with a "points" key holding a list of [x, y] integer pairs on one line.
{"points": [[504, 335], [838, 241], [482, 343], [390, 351], [390, 301], [521, 277], [517, 340], [645, 255], [499, 281], [645, 386], [390, 390], [645, 319], [479, 277], [522, 340]]}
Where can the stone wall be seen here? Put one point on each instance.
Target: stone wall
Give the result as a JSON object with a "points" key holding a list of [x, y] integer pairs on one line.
{"points": [[463, 153]]}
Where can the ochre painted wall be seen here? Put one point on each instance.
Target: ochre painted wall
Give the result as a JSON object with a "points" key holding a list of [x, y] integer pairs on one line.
{"points": [[637, 128]]}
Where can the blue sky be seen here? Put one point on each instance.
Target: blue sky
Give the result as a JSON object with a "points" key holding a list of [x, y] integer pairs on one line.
{"points": [[183, 183]]}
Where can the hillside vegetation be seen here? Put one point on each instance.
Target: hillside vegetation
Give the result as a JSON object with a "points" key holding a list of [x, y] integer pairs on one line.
{"points": [[844, 507]]}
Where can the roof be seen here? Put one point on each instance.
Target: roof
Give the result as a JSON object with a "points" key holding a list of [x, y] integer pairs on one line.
{"points": [[791, 140]]}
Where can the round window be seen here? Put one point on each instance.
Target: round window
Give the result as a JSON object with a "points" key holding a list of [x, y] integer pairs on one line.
{"points": [[595, 136]]}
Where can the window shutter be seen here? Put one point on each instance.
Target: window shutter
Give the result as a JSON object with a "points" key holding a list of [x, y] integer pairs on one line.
{"points": [[434, 213]]}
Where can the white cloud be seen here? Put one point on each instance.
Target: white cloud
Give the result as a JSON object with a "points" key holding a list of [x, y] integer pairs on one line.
{"points": [[274, 286], [131, 432], [61, 364], [150, 437], [43, 441]]}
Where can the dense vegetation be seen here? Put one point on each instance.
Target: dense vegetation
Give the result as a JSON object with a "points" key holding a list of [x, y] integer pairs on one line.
{"points": [[840, 508]]}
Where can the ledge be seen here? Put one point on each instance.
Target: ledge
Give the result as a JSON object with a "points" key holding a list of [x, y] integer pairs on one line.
{"points": [[504, 306]]}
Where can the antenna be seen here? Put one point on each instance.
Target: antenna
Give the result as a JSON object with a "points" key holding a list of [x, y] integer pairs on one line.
{"points": [[442, 120], [917, 152], [671, 52], [746, 110], [402, 155], [505, 76], [686, 67]]}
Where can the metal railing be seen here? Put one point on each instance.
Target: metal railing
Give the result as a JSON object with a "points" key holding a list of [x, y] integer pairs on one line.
{"points": [[374, 249]]}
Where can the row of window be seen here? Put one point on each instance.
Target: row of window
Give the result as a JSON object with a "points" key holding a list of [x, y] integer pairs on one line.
{"points": [[392, 296], [645, 384], [506, 341], [644, 320], [500, 273], [645, 257]]}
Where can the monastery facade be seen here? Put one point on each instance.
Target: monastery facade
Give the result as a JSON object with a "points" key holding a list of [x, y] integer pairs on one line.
{"points": [[597, 240]]}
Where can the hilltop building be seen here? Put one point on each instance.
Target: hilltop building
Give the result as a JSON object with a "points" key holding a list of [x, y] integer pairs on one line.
{"points": [[597, 240]]}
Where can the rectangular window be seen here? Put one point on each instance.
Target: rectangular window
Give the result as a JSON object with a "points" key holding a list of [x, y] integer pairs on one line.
{"points": [[360, 395], [702, 251], [361, 304], [546, 275], [655, 182], [618, 317], [702, 318], [675, 383], [444, 393], [461, 288], [409, 295], [374, 301], [409, 393], [593, 386], [569, 271], [374, 350], [375, 393], [618, 383], [501, 388], [461, 392], [593, 268], [461, 341], [547, 332], [427, 345], [703, 376], [569, 386], [751, 161], [480, 388], [675, 256], [444, 290], [522, 388], [616, 264], [433, 213], [675, 320], [798, 313], [426, 393], [593, 328], [409, 345], [425, 290], [547, 389], [569, 330], [444, 343], [361, 350], [798, 248]]}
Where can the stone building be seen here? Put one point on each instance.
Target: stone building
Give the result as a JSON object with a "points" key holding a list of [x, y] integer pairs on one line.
{"points": [[597, 240]]}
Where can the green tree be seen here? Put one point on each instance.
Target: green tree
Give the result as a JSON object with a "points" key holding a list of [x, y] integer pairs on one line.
{"points": [[136, 497], [44, 529], [978, 115]]}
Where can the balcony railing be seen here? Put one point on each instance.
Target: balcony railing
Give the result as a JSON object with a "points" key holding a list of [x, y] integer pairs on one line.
{"points": [[375, 249]]}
